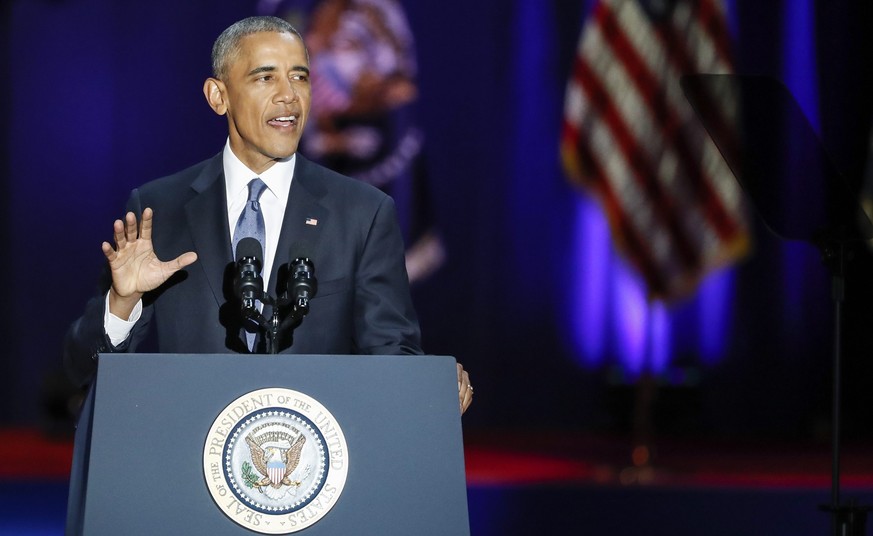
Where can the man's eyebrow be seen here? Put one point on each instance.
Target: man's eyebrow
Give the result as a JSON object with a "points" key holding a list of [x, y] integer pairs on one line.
{"points": [[262, 69], [272, 68]]}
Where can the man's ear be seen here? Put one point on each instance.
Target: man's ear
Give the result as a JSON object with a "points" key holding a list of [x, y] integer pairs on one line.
{"points": [[214, 91]]}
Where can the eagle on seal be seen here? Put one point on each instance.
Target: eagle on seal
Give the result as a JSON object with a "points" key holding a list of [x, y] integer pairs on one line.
{"points": [[276, 464]]}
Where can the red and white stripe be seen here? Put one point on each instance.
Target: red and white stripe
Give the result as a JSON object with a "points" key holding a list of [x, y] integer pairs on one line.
{"points": [[276, 472], [630, 135]]}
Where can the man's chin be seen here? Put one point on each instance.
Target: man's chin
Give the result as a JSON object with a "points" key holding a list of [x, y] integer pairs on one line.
{"points": [[284, 151], [284, 156]]}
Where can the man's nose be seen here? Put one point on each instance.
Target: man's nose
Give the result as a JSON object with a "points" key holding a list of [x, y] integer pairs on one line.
{"points": [[286, 92]]}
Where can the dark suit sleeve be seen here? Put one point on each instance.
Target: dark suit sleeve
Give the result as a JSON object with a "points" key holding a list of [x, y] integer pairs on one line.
{"points": [[87, 338], [384, 317]]}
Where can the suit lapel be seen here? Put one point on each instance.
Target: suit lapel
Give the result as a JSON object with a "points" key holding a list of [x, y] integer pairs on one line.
{"points": [[206, 214], [304, 219]]}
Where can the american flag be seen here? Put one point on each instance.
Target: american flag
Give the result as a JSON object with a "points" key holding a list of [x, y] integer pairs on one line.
{"points": [[631, 137]]}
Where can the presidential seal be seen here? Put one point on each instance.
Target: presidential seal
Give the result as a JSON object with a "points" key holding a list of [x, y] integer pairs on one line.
{"points": [[275, 461]]}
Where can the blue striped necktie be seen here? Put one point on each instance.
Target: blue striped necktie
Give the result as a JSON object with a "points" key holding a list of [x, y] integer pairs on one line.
{"points": [[251, 224]]}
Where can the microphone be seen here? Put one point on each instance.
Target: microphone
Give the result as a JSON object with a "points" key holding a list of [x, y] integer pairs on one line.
{"points": [[298, 279], [302, 284], [248, 284]]}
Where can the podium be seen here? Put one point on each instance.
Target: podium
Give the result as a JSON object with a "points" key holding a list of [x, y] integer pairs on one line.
{"points": [[155, 446]]}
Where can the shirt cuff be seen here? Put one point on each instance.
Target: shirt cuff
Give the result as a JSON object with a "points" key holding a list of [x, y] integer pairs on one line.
{"points": [[117, 329]]}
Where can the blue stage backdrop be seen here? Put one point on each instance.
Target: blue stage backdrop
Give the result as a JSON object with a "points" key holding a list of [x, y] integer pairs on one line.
{"points": [[101, 96]]}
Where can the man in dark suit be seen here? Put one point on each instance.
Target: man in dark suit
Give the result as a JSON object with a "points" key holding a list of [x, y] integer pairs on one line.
{"points": [[349, 230]]}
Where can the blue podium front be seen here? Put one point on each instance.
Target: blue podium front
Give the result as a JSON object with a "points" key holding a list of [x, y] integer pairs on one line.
{"points": [[273, 444]]}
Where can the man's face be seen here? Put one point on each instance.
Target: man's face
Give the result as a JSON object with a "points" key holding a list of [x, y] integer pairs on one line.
{"points": [[266, 95]]}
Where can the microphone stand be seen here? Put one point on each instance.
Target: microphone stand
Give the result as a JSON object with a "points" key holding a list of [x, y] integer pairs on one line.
{"points": [[846, 519], [289, 323], [287, 311], [252, 314]]}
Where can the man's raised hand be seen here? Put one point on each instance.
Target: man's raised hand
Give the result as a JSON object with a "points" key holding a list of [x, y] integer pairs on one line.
{"points": [[135, 267]]}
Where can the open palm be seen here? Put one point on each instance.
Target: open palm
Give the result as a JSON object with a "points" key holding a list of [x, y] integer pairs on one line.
{"points": [[135, 267]]}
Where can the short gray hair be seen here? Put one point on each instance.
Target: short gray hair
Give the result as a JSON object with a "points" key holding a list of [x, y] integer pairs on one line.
{"points": [[227, 44]]}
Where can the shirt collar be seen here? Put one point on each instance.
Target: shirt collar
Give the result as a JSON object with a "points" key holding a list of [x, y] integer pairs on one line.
{"points": [[237, 175]]}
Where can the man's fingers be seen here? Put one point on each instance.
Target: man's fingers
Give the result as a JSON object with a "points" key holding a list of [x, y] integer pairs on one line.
{"points": [[118, 233], [108, 251], [465, 389], [129, 230], [125, 231], [130, 227], [146, 230], [466, 398], [183, 260], [463, 378], [171, 267], [466, 401]]}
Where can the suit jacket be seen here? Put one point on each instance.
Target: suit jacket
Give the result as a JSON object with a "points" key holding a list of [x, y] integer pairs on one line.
{"points": [[348, 228]]}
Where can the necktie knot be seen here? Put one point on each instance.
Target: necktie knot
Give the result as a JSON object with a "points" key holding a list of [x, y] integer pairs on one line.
{"points": [[256, 188]]}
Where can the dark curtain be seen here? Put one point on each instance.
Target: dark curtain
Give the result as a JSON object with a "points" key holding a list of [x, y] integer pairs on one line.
{"points": [[102, 96]]}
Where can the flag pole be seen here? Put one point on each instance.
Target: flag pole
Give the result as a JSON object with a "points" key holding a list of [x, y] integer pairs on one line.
{"points": [[646, 392]]}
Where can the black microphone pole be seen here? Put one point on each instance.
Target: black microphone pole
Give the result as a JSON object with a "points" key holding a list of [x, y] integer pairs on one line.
{"points": [[301, 286], [248, 282]]}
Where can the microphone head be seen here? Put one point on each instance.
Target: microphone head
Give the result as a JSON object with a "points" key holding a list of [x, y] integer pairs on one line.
{"points": [[248, 283], [303, 283], [251, 248]]}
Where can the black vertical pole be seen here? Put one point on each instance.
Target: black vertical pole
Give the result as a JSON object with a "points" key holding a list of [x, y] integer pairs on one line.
{"points": [[849, 520], [839, 294]]}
